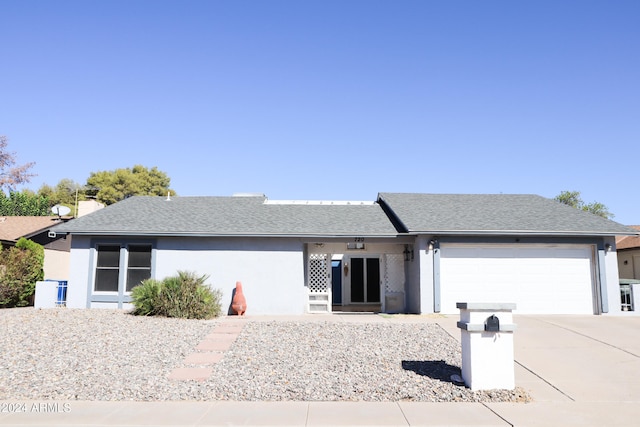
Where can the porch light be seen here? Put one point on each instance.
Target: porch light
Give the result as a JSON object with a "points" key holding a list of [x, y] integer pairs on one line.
{"points": [[607, 247], [408, 254]]}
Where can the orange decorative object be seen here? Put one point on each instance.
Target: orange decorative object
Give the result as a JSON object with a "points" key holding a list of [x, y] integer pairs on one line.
{"points": [[239, 303]]}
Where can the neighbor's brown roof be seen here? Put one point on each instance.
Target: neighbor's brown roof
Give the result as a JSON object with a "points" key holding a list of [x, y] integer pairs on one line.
{"points": [[13, 228], [628, 242]]}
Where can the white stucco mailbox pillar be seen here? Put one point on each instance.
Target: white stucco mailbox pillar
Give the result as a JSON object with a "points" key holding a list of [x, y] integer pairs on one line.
{"points": [[487, 345]]}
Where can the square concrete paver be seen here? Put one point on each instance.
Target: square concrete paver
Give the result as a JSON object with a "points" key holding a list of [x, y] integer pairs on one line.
{"points": [[215, 336], [186, 374], [228, 329], [211, 345], [355, 414], [203, 358]]}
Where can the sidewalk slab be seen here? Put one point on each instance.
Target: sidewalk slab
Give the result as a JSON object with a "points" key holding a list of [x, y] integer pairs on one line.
{"points": [[231, 413], [568, 414], [355, 414], [61, 413], [158, 413], [452, 414]]}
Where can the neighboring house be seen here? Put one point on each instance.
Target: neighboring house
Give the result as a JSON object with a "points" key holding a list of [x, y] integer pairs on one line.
{"points": [[36, 228], [413, 253], [629, 255], [85, 207]]}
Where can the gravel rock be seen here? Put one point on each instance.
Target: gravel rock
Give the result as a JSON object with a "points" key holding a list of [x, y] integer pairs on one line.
{"points": [[112, 355]]}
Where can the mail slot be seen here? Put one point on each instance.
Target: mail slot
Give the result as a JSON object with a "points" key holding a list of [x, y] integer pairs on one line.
{"points": [[492, 324]]}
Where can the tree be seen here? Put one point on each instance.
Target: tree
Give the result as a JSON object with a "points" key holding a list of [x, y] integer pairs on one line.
{"points": [[24, 203], [67, 192], [573, 199], [109, 187], [12, 175]]}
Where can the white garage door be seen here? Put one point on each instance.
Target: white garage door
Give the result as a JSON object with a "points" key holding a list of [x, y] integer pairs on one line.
{"points": [[539, 279]]}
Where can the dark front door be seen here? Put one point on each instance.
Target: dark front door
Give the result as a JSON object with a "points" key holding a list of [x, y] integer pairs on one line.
{"points": [[336, 282], [365, 280]]}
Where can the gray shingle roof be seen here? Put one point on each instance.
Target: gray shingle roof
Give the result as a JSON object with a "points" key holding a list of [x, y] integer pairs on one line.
{"points": [[463, 214], [227, 216], [493, 214]]}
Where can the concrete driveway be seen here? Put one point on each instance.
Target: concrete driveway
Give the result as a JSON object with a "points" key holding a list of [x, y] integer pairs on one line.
{"points": [[580, 370]]}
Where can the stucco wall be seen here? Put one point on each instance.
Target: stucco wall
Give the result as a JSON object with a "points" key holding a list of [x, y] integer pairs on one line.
{"points": [[271, 270], [78, 272], [613, 282], [56, 264], [420, 298], [630, 270]]}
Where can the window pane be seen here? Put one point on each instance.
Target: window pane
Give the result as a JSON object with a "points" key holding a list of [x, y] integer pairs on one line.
{"points": [[373, 280], [108, 256], [107, 280], [357, 280], [140, 256], [135, 276]]}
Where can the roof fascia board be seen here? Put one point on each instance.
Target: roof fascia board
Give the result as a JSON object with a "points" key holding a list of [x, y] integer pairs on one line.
{"points": [[522, 240], [515, 233], [306, 236]]}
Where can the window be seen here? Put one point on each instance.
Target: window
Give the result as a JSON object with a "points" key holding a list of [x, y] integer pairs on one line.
{"points": [[139, 266], [136, 257], [108, 268]]}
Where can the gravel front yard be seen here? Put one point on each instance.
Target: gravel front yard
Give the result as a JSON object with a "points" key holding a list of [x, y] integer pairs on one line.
{"points": [[111, 355]]}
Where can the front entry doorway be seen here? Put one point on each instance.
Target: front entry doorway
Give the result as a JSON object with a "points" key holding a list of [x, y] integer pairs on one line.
{"points": [[365, 280], [356, 281]]}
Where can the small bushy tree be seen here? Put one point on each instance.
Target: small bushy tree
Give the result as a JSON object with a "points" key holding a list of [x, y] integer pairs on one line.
{"points": [[186, 296], [21, 267]]}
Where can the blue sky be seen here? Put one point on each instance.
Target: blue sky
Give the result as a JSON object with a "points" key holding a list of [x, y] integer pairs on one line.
{"points": [[332, 100]]}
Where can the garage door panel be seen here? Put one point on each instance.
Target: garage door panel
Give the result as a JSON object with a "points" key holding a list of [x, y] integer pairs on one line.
{"points": [[538, 279]]}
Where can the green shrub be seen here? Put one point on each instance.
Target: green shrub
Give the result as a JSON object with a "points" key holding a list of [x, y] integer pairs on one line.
{"points": [[145, 297], [20, 268], [185, 295]]}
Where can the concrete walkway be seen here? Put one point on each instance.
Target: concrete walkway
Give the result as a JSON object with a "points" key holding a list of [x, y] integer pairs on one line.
{"points": [[580, 371]]}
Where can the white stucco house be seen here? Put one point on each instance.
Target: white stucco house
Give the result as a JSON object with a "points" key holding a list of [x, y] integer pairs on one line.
{"points": [[410, 253]]}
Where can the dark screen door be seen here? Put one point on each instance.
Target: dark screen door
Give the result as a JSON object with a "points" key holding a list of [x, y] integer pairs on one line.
{"points": [[365, 280]]}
